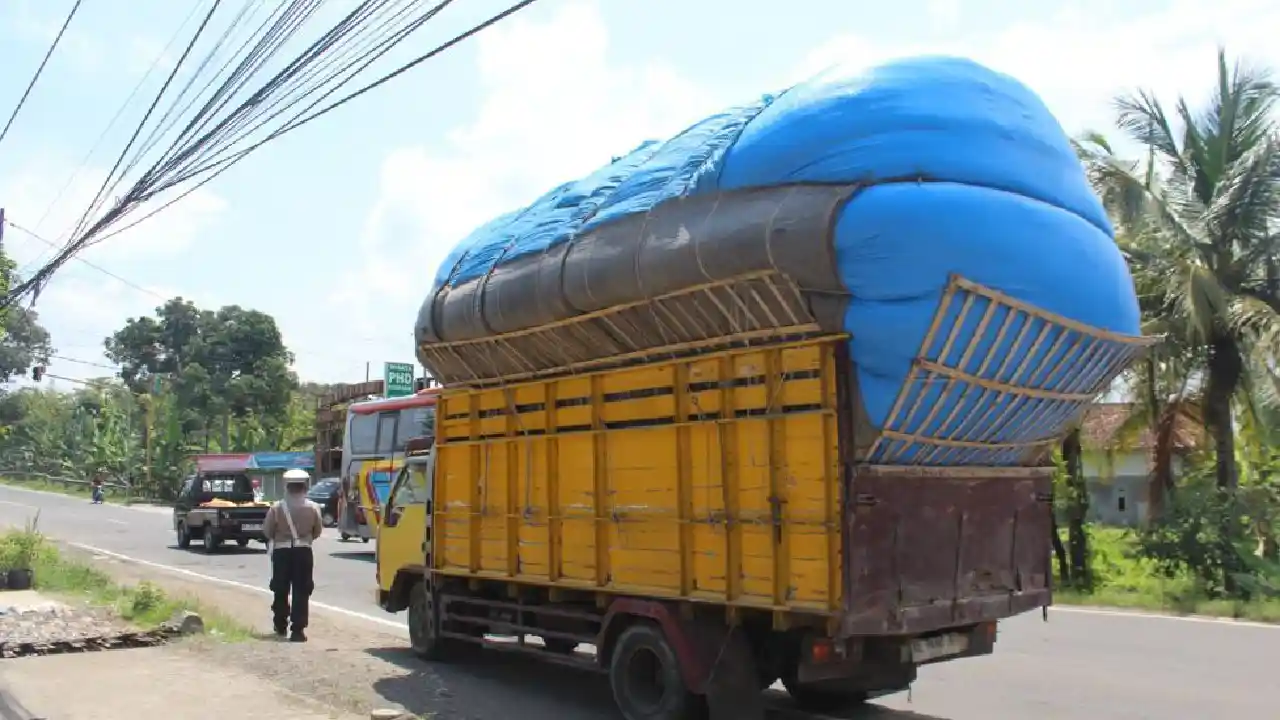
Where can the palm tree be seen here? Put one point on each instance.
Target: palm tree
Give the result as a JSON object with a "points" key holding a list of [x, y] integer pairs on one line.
{"points": [[1197, 218]]}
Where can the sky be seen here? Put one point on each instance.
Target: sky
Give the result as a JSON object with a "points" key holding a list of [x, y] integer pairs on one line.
{"points": [[337, 229]]}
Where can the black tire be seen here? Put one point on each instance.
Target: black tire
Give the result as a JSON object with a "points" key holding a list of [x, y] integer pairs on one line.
{"points": [[824, 700], [424, 624], [364, 540], [328, 519], [184, 536], [242, 542], [644, 674], [345, 537], [211, 540]]}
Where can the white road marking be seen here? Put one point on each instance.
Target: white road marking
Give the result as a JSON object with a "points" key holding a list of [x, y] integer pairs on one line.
{"points": [[232, 583], [117, 522], [1079, 610]]}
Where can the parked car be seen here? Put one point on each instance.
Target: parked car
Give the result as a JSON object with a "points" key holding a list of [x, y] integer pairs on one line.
{"points": [[216, 508], [325, 494]]}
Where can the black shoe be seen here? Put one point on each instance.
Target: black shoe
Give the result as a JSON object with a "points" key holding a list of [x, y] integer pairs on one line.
{"points": [[298, 636], [281, 632]]}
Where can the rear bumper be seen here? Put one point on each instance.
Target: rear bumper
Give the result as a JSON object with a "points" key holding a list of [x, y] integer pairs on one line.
{"points": [[886, 663], [237, 530]]}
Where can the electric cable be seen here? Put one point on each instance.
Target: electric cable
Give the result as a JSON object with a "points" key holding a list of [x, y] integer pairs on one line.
{"points": [[40, 70], [214, 138]]}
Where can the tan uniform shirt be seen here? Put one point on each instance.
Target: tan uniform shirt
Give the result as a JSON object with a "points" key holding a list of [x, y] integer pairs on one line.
{"points": [[306, 519]]}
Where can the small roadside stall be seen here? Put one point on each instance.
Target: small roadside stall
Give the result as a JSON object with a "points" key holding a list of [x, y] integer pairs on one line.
{"points": [[267, 470]]}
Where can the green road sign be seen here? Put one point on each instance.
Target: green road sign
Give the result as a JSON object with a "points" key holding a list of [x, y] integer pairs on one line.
{"points": [[398, 378]]}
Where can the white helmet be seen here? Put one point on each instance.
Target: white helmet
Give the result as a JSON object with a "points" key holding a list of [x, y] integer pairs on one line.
{"points": [[297, 476]]}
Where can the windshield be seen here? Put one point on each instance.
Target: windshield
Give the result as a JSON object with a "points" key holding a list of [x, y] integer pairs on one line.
{"points": [[236, 488]]}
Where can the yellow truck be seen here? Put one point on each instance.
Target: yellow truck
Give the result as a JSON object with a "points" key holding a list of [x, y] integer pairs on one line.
{"points": [[705, 517], [773, 400]]}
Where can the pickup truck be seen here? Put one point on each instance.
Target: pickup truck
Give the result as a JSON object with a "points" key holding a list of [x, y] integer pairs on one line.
{"points": [[216, 508]]}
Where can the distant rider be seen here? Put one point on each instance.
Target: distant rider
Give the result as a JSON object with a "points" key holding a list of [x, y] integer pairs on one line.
{"points": [[97, 490], [291, 526]]}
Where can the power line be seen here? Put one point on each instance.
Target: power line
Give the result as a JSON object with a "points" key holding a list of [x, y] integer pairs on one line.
{"points": [[155, 63], [95, 266], [196, 155], [146, 290], [40, 70], [90, 363]]}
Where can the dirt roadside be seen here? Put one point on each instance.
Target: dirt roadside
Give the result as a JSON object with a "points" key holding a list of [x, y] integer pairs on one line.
{"points": [[352, 665]]}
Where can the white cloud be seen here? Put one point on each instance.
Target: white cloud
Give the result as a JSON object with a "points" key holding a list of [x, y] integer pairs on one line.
{"points": [[49, 199], [556, 106], [1079, 59]]}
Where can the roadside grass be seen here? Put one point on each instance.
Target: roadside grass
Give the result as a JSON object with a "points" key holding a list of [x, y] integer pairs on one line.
{"points": [[1125, 580], [114, 496], [145, 605]]}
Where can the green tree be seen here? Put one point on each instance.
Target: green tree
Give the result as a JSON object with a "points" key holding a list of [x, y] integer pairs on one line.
{"points": [[23, 343], [7, 274], [1197, 219], [224, 367]]}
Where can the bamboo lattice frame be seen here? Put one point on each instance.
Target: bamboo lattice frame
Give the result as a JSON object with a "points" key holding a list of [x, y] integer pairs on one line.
{"points": [[996, 382], [757, 307]]}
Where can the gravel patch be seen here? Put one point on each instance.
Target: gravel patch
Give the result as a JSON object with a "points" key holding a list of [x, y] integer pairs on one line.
{"points": [[57, 624], [49, 627]]}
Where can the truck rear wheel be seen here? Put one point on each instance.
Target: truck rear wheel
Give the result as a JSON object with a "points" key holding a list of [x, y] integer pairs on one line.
{"points": [[644, 674], [211, 540], [184, 536], [424, 623]]}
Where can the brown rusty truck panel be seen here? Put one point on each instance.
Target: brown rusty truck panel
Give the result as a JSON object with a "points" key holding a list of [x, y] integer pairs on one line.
{"points": [[928, 548]]}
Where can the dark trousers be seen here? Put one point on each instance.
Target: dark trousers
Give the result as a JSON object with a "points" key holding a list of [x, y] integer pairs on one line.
{"points": [[291, 574]]}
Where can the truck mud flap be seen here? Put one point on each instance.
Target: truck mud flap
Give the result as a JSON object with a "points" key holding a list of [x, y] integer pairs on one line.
{"points": [[931, 548]]}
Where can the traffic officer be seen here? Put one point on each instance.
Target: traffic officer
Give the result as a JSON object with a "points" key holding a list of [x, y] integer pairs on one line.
{"points": [[291, 526]]}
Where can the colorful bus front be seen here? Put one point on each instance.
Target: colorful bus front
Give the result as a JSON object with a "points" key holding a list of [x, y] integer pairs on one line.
{"points": [[373, 451]]}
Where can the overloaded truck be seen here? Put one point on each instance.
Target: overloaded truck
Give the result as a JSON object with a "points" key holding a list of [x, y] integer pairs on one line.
{"points": [[772, 400]]}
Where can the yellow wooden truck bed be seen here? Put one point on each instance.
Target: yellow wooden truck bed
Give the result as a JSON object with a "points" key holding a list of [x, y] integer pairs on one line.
{"points": [[531, 487]]}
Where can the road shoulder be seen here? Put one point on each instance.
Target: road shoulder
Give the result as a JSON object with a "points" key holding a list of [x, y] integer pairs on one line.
{"points": [[347, 665]]}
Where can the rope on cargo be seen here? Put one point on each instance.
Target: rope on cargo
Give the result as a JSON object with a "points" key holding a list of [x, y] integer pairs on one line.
{"points": [[213, 140]]}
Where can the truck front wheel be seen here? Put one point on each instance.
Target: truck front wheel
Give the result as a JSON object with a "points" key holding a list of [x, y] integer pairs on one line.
{"points": [[424, 623], [645, 676]]}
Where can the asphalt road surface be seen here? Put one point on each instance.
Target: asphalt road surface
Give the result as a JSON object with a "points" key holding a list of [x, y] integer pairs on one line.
{"points": [[1081, 665]]}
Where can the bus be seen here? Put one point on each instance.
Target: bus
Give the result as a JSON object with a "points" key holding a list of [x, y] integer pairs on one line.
{"points": [[373, 451]]}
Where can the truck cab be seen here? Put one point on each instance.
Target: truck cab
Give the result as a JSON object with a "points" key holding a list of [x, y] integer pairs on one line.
{"points": [[405, 534]]}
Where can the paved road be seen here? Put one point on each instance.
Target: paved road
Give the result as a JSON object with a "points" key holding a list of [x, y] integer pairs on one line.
{"points": [[1081, 665]]}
